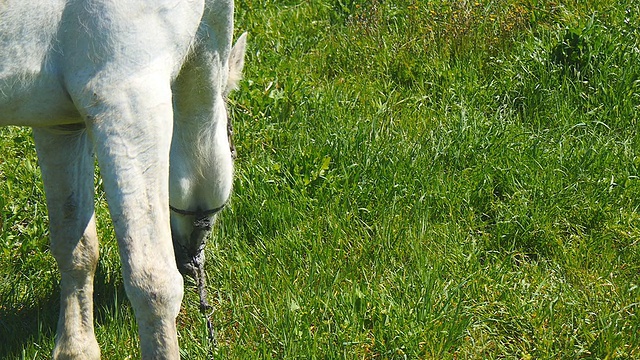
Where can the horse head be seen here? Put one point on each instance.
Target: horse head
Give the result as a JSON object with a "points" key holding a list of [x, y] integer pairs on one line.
{"points": [[201, 161]]}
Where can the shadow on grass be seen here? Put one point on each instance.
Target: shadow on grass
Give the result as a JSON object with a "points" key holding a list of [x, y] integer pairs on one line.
{"points": [[20, 325], [35, 325]]}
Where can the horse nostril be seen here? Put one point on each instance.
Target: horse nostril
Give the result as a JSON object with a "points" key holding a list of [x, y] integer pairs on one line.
{"points": [[203, 223], [187, 268], [185, 261]]}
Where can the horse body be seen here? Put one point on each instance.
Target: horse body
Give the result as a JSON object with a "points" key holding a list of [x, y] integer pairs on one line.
{"points": [[140, 84], [31, 91]]}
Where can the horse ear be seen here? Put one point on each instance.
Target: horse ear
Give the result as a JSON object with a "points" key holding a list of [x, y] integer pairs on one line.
{"points": [[236, 63]]}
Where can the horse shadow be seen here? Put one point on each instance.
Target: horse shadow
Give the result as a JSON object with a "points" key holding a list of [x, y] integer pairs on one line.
{"points": [[35, 324]]}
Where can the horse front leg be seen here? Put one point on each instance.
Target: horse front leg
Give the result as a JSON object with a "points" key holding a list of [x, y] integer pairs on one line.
{"points": [[66, 162], [131, 126]]}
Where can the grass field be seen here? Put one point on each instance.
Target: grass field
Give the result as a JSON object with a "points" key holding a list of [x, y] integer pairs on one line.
{"points": [[416, 180]]}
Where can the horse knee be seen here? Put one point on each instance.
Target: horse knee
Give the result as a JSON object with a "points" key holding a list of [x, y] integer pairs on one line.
{"points": [[76, 255], [154, 293]]}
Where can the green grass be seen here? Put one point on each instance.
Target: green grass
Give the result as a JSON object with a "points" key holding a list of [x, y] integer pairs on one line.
{"points": [[416, 179]]}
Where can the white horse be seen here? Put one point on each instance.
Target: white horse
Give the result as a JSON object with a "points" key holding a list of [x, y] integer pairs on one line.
{"points": [[142, 85]]}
